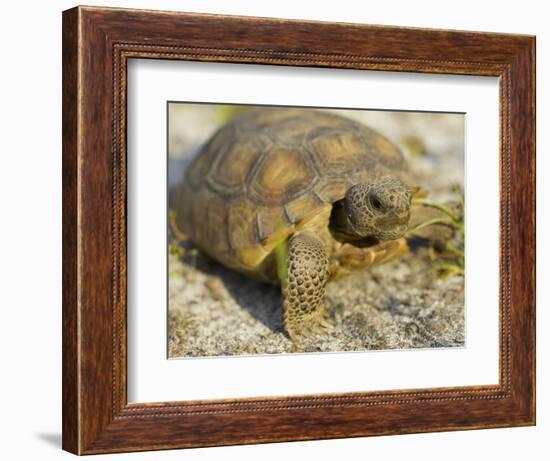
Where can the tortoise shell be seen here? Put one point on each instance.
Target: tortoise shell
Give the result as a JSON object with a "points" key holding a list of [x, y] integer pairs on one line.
{"points": [[267, 172]]}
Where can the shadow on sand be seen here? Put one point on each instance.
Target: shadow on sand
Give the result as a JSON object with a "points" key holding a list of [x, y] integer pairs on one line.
{"points": [[261, 300]]}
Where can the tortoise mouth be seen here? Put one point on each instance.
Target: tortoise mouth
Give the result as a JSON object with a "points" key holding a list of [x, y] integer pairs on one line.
{"points": [[395, 232], [387, 228], [392, 226]]}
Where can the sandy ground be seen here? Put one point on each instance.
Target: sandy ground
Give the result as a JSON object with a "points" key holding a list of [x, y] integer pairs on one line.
{"points": [[214, 311]]}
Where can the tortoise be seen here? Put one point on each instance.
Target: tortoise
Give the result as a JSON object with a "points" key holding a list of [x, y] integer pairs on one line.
{"points": [[296, 197]]}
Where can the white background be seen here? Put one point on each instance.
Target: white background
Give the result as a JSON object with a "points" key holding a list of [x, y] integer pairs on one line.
{"points": [[30, 243], [152, 378]]}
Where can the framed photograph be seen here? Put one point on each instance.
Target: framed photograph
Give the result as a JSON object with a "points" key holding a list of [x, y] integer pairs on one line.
{"points": [[282, 230]]}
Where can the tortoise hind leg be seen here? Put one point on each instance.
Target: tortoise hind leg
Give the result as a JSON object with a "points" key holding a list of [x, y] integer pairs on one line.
{"points": [[307, 273]]}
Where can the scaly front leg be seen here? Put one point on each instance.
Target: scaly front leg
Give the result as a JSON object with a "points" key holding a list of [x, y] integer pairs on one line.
{"points": [[303, 284]]}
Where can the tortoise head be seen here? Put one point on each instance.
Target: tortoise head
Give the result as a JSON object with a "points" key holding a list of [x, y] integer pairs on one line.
{"points": [[378, 209]]}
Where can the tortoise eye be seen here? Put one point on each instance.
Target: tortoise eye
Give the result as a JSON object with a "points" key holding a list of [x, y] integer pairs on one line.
{"points": [[376, 203]]}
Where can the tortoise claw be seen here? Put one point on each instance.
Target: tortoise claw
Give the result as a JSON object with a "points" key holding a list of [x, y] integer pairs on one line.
{"points": [[311, 328]]}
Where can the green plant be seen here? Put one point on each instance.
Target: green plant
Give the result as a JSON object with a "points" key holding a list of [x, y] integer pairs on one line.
{"points": [[448, 256]]}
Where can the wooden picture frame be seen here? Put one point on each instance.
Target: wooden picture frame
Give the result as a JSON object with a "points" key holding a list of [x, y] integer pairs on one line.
{"points": [[97, 43]]}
